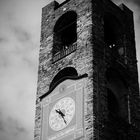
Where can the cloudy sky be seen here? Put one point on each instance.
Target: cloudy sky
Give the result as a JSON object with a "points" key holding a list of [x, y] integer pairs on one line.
{"points": [[19, 46]]}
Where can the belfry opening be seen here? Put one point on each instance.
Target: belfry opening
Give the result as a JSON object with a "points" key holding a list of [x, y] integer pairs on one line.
{"points": [[113, 32], [65, 32]]}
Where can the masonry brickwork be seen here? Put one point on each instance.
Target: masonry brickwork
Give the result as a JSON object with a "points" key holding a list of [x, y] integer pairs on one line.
{"points": [[94, 58]]}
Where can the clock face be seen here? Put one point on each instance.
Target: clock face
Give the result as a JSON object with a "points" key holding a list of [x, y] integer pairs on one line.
{"points": [[62, 113]]}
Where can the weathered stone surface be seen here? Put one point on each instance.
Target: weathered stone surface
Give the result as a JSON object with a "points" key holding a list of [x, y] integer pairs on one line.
{"points": [[93, 57]]}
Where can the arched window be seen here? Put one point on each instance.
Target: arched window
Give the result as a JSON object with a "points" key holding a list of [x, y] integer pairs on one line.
{"points": [[65, 32], [66, 72], [112, 30]]}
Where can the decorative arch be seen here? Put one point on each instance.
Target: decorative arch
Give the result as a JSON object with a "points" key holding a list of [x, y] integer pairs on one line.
{"points": [[65, 32], [64, 73]]}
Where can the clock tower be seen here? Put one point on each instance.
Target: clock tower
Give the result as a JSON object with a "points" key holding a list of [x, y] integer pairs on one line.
{"points": [[87, 79]]}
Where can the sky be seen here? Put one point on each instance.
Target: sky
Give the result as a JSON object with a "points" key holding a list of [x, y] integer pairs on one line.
{"points": [[20, 22]]}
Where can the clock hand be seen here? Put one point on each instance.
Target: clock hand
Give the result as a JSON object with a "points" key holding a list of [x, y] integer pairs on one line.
{"points": [[64, 119], [58, 111], [61, 114]]}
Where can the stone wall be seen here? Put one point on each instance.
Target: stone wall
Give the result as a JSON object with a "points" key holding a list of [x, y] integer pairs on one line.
{"points": [[91, 57], [81, 59]]}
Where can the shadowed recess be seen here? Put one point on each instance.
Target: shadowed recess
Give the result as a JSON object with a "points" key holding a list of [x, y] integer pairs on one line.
{"points": [[65, 32]]}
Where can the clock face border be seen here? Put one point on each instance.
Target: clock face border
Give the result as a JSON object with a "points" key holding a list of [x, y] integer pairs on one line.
{"points": [[51, 105], [55, 117], [75, 128]]}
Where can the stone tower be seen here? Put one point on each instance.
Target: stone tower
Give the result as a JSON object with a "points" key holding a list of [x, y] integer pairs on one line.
{"points": [[87, 80]]}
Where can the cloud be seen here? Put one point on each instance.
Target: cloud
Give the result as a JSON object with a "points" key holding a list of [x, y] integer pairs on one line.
{"points": [[10, 125], [137, 2], [22, 35], [2, 40], [19, 43], [13, 130], [17, 101]]}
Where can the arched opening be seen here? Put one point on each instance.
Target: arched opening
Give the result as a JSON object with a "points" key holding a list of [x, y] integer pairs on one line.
{"points": [[117, 94], [112, 30], [117, 103], [66, 72], [65, 32]]}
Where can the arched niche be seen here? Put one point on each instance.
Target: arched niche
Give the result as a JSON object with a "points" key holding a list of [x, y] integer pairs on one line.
{"points": [[65, 32], [64, 73], [117, 94]]}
